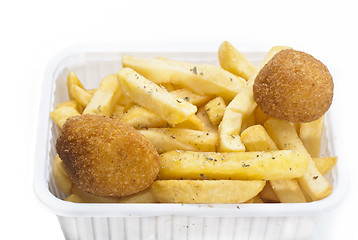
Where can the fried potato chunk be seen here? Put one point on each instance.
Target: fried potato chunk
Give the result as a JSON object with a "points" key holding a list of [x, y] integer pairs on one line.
{"points": [[232, 165], [234, 61], [205, 191]]}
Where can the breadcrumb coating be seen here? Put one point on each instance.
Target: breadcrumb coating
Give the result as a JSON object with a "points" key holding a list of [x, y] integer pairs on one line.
{"points": [[106, 157], [294, 86]]}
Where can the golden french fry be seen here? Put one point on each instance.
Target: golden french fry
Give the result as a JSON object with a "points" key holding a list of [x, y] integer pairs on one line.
{"points": [[164, 143], [63, 181], [285, 137], [268, 194], [310, 134], [63, 111], [288, 190], [250, 121], [79, 94], [118, 111], [169, 87], [193, 122], [200, 78], [239, 110], [105, 98], [271, 53], [297, 127], [244, 102], [325, 164], [284, 164], [74, 198], [91, 91], [90, 198], [205, 191], [260, 116], [255, 138], [199, 140], [139, 117], [72, 79], [124, 100], [234, 61], [193, 98], [203, 116], [156, 99], [229, 132], [255, 199], [144, 196], [215, 110]]}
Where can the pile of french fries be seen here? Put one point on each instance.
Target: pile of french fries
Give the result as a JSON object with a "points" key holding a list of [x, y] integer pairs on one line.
{"points": [[215, 144]]}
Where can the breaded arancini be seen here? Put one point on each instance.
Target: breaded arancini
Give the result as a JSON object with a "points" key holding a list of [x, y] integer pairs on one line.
{"points": [[294, 86], [106, 157]]}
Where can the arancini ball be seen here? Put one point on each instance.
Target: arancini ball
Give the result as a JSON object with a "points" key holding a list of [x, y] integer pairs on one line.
{"points": [[294, 86], [106, 157]]}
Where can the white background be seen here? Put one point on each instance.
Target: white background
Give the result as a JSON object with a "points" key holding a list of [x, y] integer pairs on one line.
{"points": [[31, 32]]}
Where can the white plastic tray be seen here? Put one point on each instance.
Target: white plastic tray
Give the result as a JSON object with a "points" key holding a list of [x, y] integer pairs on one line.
{"points": [[162, 221]]}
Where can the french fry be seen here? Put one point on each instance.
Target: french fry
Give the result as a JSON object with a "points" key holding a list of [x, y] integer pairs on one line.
{"points": [[284, 164], [91, 91], [255, 138], [271, 53], [105, 97], [244, 102], [203, 116], [238, 111], [156, 99], [297, 127], [74, 198], [193, 98], [124, 100], [164, 143], [72, 79], [268, 194], [234, 61], [79, 94], [63, 181], [200, 78], [90, 198], [144, 196], [63, 111], [310, 134], [193, 122], [229, 132], [260, 116], [205, 191], [168, 86], [250, 121], [325, 164], [199, 140], [255, 199], [118, 111], [285, 137], [215, 110], [139, 117], [288, 191]]}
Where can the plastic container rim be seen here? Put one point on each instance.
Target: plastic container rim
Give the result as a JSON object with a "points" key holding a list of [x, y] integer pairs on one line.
{"points": [[69, 209]]}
